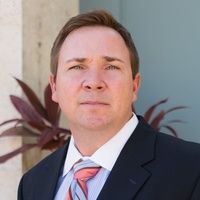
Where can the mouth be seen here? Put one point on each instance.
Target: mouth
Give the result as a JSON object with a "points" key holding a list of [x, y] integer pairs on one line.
{"points": [[94, 103]]}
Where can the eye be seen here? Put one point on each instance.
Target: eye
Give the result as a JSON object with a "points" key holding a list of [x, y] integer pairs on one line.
{"points": [[76, 67], [112, 67]]}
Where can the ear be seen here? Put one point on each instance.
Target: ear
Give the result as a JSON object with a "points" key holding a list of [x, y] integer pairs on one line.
{"points": [[52, 82], [136, 86]]}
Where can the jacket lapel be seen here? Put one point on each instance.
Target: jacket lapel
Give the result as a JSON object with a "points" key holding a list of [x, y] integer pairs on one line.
{"points": [[128, 174], [50, 174]]}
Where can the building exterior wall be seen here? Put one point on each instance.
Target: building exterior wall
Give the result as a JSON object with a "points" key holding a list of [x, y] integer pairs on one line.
{"points": [[10, 65], [27, 31], [41, 23]]}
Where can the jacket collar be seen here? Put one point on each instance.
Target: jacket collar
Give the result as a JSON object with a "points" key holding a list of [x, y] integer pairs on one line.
{"points": [[128, 174]]}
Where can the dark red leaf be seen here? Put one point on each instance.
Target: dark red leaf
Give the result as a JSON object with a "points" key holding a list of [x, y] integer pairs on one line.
{"points": [[33, 99], [172, 130], [176, 121], [150, 111], [156, 121], [65, 131], [52, 108], [47, 135], [22, 149], [175, 108], [37, 125], [54, 144], [18, 131], [10, 121], [26, 111]]}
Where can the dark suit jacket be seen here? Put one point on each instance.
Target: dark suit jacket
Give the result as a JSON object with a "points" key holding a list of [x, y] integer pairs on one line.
{"points": [[151, 166]]}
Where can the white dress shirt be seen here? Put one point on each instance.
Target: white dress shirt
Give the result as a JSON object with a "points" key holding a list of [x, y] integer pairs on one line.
{"points": [[105, 156]]}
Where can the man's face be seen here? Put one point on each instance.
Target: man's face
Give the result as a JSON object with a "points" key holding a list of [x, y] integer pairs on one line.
{"points": [[94, 85]]}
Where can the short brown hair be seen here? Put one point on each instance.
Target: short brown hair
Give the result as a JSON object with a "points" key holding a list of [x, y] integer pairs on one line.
{"points": [[94, 18]]}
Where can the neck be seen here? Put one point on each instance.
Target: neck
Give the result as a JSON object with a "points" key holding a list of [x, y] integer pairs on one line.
{"points": [[89, 141]]}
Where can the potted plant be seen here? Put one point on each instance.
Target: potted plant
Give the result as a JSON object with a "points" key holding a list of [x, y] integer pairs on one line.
{"points": [[37, 121]]}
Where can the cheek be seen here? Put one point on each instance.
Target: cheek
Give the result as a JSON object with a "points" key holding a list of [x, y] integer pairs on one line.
{"points": [[66, 82], [122, 92], [67, 90], [62, 89]]}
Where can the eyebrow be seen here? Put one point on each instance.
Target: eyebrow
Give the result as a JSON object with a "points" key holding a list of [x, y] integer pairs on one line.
{"points": [[107, 58], [76, 60], [111, 59]]}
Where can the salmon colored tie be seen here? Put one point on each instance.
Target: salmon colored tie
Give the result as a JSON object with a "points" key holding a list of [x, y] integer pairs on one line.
{"points": [[83, 171]]}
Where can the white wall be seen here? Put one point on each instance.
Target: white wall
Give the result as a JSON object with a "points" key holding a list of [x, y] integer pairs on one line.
{"points": [[10, 65], [42, 20], [27, 31]]}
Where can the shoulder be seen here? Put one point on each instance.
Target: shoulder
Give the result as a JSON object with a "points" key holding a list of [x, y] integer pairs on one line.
{"points": [[177, 156], [165, 143], [43, 176], [52, 161], [170, 150], [171, 144]]}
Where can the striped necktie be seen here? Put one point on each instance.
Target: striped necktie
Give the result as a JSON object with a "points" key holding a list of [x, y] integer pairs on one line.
{"points": [[83, 171]]}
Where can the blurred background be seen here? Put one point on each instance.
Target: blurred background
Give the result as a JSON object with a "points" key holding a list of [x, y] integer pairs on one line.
{"points": [[166, 34]]}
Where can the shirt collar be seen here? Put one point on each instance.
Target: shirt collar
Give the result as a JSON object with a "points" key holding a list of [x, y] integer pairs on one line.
{"points": [[113, 146]]}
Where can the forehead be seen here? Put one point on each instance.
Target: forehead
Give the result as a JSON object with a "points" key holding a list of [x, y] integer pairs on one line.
{"points": [[94, 41]]}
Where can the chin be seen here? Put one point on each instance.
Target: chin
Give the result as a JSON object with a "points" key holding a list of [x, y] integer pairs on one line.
{"points": [[94, 123]]}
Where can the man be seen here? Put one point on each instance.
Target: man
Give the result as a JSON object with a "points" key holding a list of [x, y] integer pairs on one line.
{"points": [[95, 80]]}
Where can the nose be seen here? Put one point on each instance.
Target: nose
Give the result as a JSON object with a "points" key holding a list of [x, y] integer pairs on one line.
{"points": [[94, 82]]}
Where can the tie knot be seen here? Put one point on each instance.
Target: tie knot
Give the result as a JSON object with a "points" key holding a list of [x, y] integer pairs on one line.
{"points": [[85, 170]]}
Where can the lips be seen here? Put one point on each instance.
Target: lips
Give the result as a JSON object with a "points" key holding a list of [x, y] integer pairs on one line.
{"points": [[94, 103]]}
